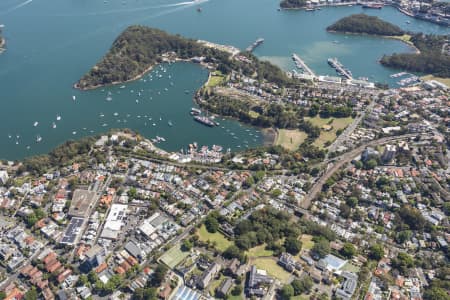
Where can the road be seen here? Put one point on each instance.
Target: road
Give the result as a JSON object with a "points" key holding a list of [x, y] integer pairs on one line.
{"points": [[341, 161], [349, 130]]}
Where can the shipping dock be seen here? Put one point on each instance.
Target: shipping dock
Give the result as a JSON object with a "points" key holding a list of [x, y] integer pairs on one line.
{"points": [[300, 64], [254, 45], [340, 69]]}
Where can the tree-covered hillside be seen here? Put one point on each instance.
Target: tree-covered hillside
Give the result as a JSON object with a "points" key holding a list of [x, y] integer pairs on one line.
{"points": [[361, 23], [430, 60]]}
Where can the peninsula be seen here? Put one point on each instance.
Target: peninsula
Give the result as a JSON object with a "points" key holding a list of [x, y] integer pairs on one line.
{"points": [[364, 24], [137, 50], [293, 4], [433, 58]]}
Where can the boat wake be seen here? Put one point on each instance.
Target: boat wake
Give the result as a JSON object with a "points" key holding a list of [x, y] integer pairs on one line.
{"points": [[16, 7], [139, 9]]}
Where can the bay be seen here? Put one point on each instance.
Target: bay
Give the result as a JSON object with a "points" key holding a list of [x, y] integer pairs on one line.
{"points": [[51, 44]]}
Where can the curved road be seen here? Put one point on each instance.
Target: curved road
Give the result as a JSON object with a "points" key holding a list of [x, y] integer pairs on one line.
{"points": [[342, 160]]}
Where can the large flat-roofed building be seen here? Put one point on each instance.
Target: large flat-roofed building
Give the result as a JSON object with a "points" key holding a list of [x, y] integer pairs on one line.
{"points": [[81, 201], [114, 221]]}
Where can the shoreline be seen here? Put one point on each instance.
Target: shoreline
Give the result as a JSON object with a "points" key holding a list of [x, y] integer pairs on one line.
{"points": [[77, 86], [137, 77], [270, 136], [393, 37], [2, 44]]}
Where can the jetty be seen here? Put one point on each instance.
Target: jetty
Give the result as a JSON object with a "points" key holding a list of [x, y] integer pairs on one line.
{"points": [[300, 64], [254, 45], [334, 63]]}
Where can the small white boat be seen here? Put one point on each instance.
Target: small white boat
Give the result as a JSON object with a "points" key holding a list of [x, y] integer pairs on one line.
{"points": [[53, 125], [104, 125], [109, 98], [116, 114], [74, 132], [102, 115], [74, 98], [38, 139], [58, 117], [154, 124], [122, 87], [35, 123], [9, 136]]}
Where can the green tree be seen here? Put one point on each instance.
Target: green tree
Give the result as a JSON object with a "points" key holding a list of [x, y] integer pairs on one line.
{"points": [[237, 290], [303, 285], [292, 245], [211, 224], [2, 295], [348, 250], [376, 252], [31, 294], [159, 275], [187, 245], [436, 293], [352, 201], [321, 248], [287, 292]]}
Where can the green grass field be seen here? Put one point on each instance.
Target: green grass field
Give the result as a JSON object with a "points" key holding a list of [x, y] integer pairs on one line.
{"points": [[307, 242], [215, 284], [221, 242], [272, 268], [445, 81], [350, 267], [290, 139], [173, 256], [328, 136], [216, 79], [259, 251]]}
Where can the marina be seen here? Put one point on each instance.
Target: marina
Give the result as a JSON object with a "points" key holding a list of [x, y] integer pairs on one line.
{"points": [[340, 69], [79, 47], [300, 64]]}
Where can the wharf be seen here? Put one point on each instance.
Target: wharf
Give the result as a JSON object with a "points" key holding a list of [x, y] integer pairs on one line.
{"points": [[334, 63], [299, 63], [254, 45]]}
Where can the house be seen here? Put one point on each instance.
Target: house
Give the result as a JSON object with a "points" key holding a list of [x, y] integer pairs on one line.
{"points": [[288, 262], [224, 287], [257, 282], [208, 275]]}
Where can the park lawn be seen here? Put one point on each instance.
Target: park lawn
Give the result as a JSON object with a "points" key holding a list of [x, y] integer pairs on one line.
{"points": [[350, 267], [222, 243], [216, 79], [445, 81], [259, 251], [173, 256], [328, 136], [307, 242], [253, 114], [300, 297], [231, 297], [272, 268], [290, 139], [215, 284]]}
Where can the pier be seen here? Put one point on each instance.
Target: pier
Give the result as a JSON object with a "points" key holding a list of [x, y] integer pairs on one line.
{"points": [[254, 45], [334, 63], [299, 63]]}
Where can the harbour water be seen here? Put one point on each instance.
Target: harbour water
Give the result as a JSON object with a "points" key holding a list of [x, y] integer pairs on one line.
{"points": [[50, 44]]}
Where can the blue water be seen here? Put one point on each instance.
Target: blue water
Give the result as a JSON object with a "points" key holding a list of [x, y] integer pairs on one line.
{"points": [[51, 44]]}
